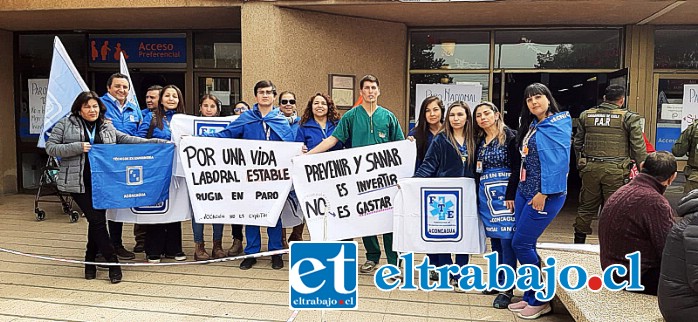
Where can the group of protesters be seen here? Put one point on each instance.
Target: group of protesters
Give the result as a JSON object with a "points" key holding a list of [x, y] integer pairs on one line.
{"points": [[452, 141]]}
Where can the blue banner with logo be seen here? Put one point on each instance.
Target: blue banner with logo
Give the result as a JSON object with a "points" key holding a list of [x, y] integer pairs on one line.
{"points": [[130, 175], [105, 49], [498, 220]]}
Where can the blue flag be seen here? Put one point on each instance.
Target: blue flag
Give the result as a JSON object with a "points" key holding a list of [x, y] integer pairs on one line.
{"points": [[64, 85], [130, 175]]}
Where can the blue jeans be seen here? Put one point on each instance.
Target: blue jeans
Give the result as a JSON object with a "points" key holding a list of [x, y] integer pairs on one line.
{"points": [[439, 260], [198, 230], [530, 224], [505, 255], [254, 239]]}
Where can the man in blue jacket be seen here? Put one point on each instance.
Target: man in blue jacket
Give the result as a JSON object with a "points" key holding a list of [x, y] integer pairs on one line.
{"points": [[125, 117], [262, 122]]}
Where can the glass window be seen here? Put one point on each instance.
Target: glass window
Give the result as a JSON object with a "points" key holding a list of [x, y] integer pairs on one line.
{"points": [[445, 79], [217, 50], [557, 49], [669, 111], [226, 89], [672, 50], [450, 50]]}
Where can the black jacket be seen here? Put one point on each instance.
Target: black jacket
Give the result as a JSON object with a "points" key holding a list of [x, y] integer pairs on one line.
{"points": [[678, 283], [443, 160]]}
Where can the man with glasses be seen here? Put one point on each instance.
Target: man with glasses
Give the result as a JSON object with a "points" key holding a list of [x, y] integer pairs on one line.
{"points": [[262, 122], [364, 125]]}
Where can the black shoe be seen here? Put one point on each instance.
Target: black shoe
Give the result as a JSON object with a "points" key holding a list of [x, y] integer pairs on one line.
{"points": [[277, 261], [434, 276], [490, 292], [122, 253], [178, 257], [247, 263], [115, 275], [580, 238], [90, 272], [139, 248], [502, 300]]}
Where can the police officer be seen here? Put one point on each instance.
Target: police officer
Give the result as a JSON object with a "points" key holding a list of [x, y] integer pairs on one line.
{"points": [[688, 143], [608, 137]]}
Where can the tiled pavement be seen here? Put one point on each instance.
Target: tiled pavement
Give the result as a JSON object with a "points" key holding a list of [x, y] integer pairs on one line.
{"points": [[32, 289]]}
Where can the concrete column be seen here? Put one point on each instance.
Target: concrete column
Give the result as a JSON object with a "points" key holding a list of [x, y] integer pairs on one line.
{"points": [[8, 134]]}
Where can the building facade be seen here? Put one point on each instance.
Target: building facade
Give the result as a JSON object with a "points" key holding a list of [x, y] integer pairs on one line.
{"points": [[223, 47]]}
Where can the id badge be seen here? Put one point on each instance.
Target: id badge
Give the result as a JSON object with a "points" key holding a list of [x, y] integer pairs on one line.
{"points": [[522, 174], [133, 118], [478, 167]]}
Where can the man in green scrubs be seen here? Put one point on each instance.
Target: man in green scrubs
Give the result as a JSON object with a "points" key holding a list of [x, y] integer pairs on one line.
{"points": [[363, 125]]}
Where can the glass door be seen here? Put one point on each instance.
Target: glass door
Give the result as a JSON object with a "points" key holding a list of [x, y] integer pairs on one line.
{"points": [[226, 87], [668, 95]]}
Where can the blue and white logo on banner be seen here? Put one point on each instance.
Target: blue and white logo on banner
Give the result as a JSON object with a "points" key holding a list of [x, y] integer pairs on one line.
{"points": [[323, 275], [130, 175], [209, 127], [441, 214]]}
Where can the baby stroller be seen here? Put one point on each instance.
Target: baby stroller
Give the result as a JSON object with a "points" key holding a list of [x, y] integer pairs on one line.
{"points": [[48, 188]]}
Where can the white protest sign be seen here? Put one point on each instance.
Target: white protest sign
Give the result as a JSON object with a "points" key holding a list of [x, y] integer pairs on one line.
{"points": [[235, 181], [470, 93], [437, 215], [183, 124], [349, 193], [37, 101], [690, 105], [176, 208]]}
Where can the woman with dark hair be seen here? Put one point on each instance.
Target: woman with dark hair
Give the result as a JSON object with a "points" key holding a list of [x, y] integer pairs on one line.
{"points": [[451, 154], [71, 139], [498, 163], [544, 141], [428, 125], [163, 238], [287, 106]]}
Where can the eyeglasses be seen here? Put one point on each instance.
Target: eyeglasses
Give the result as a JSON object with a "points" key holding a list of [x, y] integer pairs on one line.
{"points": [[269, 93], [288, 102], [240, 109]]}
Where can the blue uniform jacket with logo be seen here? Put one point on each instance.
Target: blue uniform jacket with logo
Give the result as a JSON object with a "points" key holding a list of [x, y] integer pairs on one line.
{"points": [[165, 133], [126, 122], [443, 160], [311, 134]]}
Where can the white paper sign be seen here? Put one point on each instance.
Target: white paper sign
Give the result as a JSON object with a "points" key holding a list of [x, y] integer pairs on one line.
{"points": [[234, 181], [437, 215], [37, 101], [690, 105], [194, 125], [349, 193], [672, 111], [470, 93], [176, 208]]}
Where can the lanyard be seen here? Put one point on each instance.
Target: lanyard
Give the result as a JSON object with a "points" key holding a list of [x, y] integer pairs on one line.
{"points": [[324, 133], [463, 152], [91, 134], [267, 130]]}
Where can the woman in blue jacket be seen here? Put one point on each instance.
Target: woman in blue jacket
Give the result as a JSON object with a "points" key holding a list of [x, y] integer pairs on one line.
{"points": [[544, 143], [498, 162], [431, 117], [451, 154], [319, 120], [163, 238]]}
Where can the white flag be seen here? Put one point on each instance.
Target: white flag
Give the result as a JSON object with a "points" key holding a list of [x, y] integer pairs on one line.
{"points": [[64, 85], [131, 90]]}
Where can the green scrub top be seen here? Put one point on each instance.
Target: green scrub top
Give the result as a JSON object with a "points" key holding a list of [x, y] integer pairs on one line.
{"points": [[362, 130]]}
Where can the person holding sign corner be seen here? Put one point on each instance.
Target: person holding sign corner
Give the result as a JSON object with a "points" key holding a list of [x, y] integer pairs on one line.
{"points": [[364, 125], [71, 140], [451, 154], [262, 122]]}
